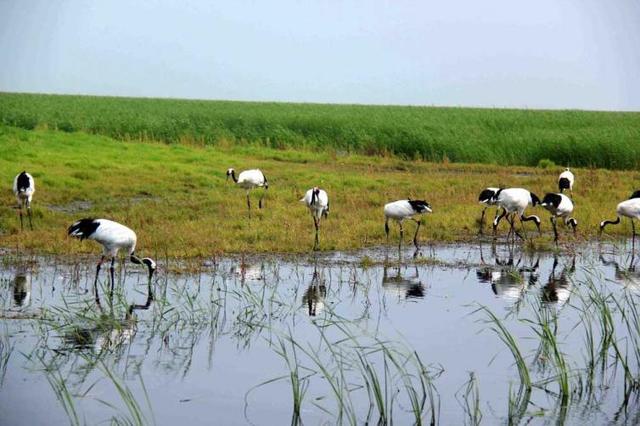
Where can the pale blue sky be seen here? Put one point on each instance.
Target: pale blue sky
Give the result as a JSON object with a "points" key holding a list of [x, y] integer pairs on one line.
{"points": [[537, 54]]}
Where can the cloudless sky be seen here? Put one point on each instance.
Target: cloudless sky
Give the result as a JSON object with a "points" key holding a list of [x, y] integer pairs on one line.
{"points": [[505, 53]]}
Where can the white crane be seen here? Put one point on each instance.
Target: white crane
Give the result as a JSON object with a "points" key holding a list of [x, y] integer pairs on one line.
{"points": [[23, 188], [113, 237], [565, 181], [560, 206], [317, 201], [629, 208], [248, 180], [486, 198], [514, 201], [405, 209]]}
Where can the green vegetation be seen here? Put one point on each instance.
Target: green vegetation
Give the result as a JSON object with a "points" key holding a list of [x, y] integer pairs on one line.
{"points": [[471, 135], [177, 199]]}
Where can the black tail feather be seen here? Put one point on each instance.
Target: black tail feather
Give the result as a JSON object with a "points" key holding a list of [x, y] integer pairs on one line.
{"points": [[83, 228]]}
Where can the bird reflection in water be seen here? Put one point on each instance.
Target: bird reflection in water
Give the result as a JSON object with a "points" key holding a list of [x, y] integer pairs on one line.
{"points": [[402, 286], [558, 288], [315, 294], [628, 276], [22, 288], [108, 332], [509, 278], [248, 272]]}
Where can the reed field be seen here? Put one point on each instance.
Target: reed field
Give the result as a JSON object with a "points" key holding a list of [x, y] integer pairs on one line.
{"points": [[176, 196], [469, 135]]}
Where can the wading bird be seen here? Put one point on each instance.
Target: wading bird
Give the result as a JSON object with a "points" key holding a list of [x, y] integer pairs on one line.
{"points": [[565, 181], [317, 201], [486, 198], [559, 205], [113, 237], [514, 201], [629, 208], [23, 188], [248, 180], [405, 209]]}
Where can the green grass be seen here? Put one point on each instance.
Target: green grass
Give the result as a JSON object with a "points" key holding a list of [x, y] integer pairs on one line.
{"points": [[470, 135], [177, 199]]}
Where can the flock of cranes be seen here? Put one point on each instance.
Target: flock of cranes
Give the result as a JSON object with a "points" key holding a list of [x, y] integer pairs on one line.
{"points": [[511, 204]]}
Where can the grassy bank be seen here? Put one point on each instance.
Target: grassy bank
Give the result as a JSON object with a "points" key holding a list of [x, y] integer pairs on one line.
{"points": [[492, 136], [177, 199]]}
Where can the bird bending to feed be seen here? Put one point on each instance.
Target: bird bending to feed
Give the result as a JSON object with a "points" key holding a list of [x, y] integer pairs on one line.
{"points": [[514, 201], [559, 205], [629, 208], [113, 237], [486, 198], [248, 180], [405, 209], [23, 188], [565, 181], [317, 201]]}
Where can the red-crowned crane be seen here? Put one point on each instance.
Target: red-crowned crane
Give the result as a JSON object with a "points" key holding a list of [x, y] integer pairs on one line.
{"points": [[629, 208], [113, 237], [560, 206], [23, 188], [565, 181], [248, 180], [405, 209], [317, 201], [514, 201]]}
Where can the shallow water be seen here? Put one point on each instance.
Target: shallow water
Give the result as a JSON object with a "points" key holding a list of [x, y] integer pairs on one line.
{"points": [[207, 347]]}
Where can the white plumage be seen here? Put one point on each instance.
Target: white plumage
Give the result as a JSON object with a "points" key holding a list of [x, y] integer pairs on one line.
{"points": [[317, 201], [405, 209], [248, 180], [113, 237], [559, 205], [514, 201], [565, 181], [23, 188], [629, 208]]}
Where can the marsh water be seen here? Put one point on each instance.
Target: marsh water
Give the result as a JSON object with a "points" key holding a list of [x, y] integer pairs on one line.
{"points": [[365, 337]]}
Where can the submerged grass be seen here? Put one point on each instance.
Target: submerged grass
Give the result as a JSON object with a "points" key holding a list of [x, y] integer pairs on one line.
{"points": [[177, 200]]}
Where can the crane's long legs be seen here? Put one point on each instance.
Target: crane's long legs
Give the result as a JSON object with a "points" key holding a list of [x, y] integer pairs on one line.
{"points": [[316, 223], [249, 204], [261, 197], [496, 221], [482, 219], [95, 282], [29, 214], [386, 229], [111, 269], [401, 234], [524, 230], [555, 230], [633, 237], [20, 213], [415, 236]]}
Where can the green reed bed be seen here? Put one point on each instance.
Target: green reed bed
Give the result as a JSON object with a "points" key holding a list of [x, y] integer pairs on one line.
{"points": [[496, 136]]}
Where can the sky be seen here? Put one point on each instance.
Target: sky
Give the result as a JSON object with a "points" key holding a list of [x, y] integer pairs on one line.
{"points": [[578, 54]]}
